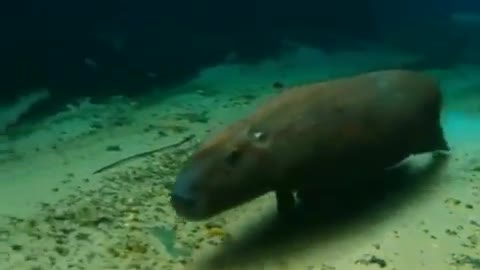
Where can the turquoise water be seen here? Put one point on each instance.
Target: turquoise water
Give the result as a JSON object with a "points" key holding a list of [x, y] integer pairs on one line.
{"points": [[57, 214]]}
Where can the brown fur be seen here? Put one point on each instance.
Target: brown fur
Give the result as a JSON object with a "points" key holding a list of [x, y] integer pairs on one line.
{"points": [[316, 134]]}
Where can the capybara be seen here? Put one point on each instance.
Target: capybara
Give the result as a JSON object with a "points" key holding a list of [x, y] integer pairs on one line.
{"points": [[315, 134]]}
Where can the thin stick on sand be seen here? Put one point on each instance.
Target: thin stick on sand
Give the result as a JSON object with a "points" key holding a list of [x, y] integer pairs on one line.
{"points": [[144, 154]]}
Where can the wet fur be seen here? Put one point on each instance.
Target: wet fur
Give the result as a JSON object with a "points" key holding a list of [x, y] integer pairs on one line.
{"points": [[316, 135]]}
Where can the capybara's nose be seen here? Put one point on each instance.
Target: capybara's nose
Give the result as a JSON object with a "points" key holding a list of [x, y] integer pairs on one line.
{"points": [[181, 203]]}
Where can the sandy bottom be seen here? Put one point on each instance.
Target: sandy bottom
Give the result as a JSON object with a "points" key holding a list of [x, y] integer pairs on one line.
{"points": [[55, 213]]}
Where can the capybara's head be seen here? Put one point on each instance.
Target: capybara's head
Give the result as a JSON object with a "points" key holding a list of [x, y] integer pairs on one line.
{"points": [[228, 170]]}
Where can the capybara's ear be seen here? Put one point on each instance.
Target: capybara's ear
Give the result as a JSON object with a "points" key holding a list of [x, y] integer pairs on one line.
{"points": [[258, 138]]}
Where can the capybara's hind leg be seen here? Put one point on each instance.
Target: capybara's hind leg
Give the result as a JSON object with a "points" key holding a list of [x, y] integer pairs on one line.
{"points": [[441, 150], [432, 142], [440, 143]]}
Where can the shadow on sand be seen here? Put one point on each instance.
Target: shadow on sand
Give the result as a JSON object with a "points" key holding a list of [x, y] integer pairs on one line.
{"points": [[355, 209]]}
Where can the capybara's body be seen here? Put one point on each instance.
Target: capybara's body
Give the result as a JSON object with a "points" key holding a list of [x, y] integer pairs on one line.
{"points": [[315, 134]]}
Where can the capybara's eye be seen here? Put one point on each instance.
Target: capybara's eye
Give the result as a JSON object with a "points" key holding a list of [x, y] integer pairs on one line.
{"points": [[259, 136], [233, 156]]}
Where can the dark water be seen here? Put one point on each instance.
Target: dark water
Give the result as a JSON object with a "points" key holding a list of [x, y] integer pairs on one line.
{"points": [[52, 44]]}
